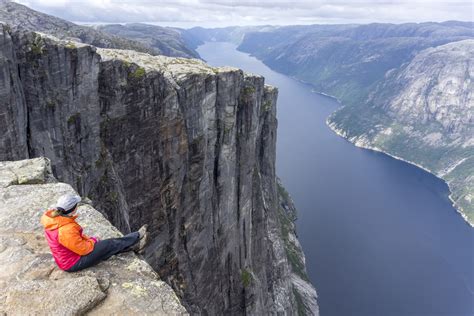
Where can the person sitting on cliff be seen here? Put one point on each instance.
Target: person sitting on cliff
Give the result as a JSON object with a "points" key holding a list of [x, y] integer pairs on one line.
{"points": [[72, 250]]}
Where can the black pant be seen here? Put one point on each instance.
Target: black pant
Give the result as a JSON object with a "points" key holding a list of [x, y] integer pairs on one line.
{"points": [[104, 249]]}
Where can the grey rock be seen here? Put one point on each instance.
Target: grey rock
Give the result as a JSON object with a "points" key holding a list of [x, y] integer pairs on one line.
{"points": [[44, 297], [305, 293], [33, 284], [187, 148], [35, 171]]}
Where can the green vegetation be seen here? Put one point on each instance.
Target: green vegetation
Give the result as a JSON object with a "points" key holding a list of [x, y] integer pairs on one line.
{"points": [[70, 45], [293, 253], [267, 105], [301, 308], [249, 90], [246, 277], [37, 45], [73, 118], [138, 73]]}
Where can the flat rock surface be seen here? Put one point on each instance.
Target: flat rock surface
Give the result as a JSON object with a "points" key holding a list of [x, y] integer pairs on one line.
{"points": [[33, 284]]}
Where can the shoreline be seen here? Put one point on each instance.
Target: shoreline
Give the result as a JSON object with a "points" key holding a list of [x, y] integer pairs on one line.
{"points": [[353, 141], [342, 134]]}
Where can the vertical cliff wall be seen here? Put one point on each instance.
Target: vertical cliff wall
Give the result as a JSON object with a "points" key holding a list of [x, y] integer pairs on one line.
{"points": [[185, 147]]}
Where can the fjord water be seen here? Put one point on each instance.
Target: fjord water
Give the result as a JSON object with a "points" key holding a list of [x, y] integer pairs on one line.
{"points": [[380, 235]]}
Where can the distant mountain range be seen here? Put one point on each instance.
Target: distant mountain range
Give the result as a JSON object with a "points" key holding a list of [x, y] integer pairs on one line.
{"points": [[161, 40], [144, 38], [407, 89]]}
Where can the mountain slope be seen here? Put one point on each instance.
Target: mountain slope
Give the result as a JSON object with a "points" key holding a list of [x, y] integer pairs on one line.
{"points": [[406, 89], [424, 113], [347, 61], [167, 42], [162, 40]]}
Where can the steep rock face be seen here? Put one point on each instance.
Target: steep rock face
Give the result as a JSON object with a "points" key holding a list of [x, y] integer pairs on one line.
{"points": [[305, 294], [424, 113], [187, 148], [33, 284]]}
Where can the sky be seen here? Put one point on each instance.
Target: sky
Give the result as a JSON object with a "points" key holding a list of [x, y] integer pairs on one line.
{"points": [[220, 13]]}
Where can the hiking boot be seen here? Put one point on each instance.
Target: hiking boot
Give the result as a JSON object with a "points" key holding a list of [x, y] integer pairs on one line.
{"points": [[139, 247], [143, 230]]}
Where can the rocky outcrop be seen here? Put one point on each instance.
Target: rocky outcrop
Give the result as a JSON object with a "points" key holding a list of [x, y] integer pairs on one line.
{"points": [[172, 142], [29, 277]]}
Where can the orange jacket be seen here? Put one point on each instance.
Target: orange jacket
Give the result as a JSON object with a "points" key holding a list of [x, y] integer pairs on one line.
{"points": [[69, 233]]}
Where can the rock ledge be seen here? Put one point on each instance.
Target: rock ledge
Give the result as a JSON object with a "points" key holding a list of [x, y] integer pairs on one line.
{"points": [[32, 283]]}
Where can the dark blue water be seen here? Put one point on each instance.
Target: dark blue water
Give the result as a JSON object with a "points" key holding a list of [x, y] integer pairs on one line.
{"points": [[380, 235]]}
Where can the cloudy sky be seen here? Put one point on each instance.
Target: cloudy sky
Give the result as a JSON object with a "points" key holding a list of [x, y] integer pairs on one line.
{"points": [[216, 13]]}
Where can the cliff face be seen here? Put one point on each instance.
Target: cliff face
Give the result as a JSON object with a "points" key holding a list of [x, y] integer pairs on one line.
{"points": [[187, 148], [30, 280], [305, 294]]}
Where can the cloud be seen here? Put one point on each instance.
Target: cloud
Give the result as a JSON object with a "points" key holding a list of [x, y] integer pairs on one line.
{"points": [[187, 13]]}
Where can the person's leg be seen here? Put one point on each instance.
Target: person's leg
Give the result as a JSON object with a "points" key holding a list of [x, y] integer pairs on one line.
{"points": [[104, 249]]}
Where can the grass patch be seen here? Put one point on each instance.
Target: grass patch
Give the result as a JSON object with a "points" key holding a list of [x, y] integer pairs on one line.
{"points": [[267, 105], [138, 73], [73, 118], [70, 45], [37, 46], [247, 91], [246, 277]]}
